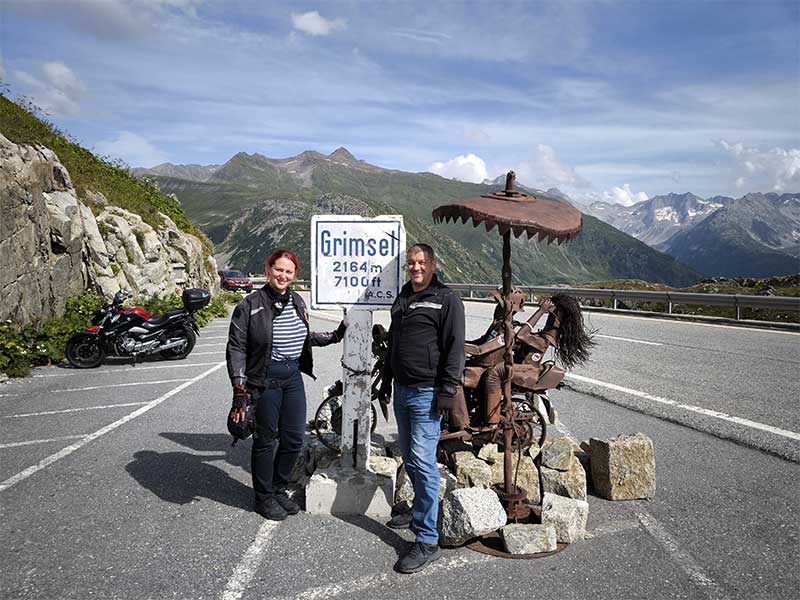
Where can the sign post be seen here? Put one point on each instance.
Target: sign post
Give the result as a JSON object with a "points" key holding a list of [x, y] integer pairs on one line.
{"points": [[356, 263]]}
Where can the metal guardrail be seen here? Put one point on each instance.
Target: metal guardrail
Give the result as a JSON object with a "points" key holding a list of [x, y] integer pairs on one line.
{"points": [[737, 301]]}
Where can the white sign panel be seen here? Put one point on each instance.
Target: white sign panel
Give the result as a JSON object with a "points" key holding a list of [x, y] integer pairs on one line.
{"points": [[356, 261]]}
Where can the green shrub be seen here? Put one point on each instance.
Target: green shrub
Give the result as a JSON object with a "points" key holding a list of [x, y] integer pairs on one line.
{"points": [[20, 349], [15, 359]]}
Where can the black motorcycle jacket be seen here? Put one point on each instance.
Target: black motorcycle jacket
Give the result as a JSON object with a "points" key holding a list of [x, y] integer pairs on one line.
{"points": [[250, 339], [426, 337]]}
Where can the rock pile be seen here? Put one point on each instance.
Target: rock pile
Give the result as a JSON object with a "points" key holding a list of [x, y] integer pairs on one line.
{"points": [[621, 468]]}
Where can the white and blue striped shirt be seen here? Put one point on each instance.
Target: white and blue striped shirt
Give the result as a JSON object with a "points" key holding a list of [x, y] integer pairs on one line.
{"points": [[288, 334]]}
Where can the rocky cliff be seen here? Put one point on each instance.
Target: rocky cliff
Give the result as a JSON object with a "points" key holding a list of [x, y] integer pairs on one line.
{"points": [[52, 246]]}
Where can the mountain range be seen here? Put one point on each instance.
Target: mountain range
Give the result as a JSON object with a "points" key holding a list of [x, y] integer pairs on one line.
{"points": [[757, 235], [252, 204]]}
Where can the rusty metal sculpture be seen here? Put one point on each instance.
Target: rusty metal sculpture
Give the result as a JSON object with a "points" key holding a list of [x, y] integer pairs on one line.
{"points": [[513, 212]]}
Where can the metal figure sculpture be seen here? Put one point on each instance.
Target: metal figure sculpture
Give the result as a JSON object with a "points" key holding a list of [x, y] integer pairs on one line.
{"points": [[549, 219]]}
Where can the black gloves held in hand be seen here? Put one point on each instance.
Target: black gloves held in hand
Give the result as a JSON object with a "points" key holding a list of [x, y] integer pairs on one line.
{"points": [[339, 332], [244, 412], [446, 398], [385, 391], [241, 397]]}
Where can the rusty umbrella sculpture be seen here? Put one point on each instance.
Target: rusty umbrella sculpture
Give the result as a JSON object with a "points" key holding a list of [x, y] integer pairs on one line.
{"points": [[513, 212]]}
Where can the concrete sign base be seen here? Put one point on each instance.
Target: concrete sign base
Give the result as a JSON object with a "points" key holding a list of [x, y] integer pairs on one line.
{"points": [[342, 490]]}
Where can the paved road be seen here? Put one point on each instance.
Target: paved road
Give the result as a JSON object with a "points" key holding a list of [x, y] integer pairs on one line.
{"points": [[138, 494], [690, 372]]}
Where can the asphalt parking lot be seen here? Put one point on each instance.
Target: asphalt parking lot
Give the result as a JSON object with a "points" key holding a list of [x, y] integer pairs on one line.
{"points": [[120, 482]]}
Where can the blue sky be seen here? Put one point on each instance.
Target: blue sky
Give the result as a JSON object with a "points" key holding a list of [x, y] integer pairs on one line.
{"points": [[605, 100]]}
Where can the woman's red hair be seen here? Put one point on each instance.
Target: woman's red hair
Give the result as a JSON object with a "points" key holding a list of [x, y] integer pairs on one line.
{"points": [[284, 254]]}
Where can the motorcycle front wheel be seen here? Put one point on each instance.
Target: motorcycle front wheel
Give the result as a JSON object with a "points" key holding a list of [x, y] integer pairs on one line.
{"points": [[328, 422], [179, 352], [84, 351]]}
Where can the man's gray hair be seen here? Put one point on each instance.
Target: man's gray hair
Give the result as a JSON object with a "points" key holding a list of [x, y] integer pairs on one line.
{"points": [[424, 248]]}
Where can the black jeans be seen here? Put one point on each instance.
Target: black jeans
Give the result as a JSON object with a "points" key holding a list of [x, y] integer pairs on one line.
{"points": [[280, 424]]}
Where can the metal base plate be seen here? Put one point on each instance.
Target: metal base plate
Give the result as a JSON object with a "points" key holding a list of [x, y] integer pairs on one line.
{"points": [[492, 544]]}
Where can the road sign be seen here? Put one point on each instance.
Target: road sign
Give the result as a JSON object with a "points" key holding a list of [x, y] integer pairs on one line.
{"points": [[356, 261]]}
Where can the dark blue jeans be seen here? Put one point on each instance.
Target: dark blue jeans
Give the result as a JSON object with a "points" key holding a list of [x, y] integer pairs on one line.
{"points": [[418, 423], [280, 428]]}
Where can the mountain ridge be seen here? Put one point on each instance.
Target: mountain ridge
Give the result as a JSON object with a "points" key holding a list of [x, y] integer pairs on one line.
{"points": [[287, 191], [758, 235]]}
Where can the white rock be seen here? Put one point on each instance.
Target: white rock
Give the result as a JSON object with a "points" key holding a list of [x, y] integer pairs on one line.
{"points": [[567, 515], [528, 539], [468, 513], [570, 482], [623, 468], [488, 452]]}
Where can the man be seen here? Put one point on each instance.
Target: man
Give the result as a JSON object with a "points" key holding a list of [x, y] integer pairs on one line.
{"points": [[425, 359]]}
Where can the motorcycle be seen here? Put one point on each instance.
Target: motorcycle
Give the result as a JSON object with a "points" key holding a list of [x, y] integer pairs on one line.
{"points": [[131, 331]]}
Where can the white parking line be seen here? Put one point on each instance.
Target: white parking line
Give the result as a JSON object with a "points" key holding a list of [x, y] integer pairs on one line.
{"points": [[690, 407], [651, 525], [134, 368], [685, 560], [624, 339], [22, 475], [215, 337], [215, 345], [69, 410], [361, 584], [100, 387], [30, 442], [249, 563]]}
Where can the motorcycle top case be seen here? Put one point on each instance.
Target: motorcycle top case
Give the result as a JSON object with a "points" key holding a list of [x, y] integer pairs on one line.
{"points": [[195, 299]]}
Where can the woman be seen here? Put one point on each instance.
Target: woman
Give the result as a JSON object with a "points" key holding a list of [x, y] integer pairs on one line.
{"points": [[269, 345]]}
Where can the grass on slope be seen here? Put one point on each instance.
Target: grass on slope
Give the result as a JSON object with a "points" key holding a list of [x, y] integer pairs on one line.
{"points": [[21, 125]]}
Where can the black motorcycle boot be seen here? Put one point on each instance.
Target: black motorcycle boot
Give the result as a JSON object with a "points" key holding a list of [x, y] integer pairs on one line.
{"points": [[271, 509], [400, 521], [290, 506], [419, 556]]}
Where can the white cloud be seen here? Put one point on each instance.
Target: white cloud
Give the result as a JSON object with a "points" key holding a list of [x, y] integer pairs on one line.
{"points": [[133, 149], [464, 168], [544, 170], [615, 195], [778, 168], [315, 24], [57, 90], [2, 68], [59, 76], [623, 195]]}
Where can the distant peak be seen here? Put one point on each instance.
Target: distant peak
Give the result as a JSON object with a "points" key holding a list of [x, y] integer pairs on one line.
{"points": [[310, 154], [342, 154]]}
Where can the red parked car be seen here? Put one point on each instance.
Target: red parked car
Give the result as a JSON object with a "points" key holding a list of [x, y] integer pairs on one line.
{"points": [[235, 281]]}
